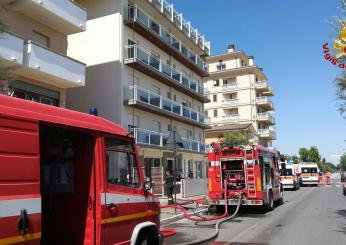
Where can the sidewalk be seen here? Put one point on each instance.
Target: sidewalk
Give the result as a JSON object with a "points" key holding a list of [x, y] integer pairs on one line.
{"points": [[170, 215]]}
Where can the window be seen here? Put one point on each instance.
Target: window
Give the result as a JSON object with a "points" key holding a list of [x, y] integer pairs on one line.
{"points": [[215, 113], [168, 95], [169, 127], [175, 97], [221, 67], [216, 83], [121, 164], [41, 39], [215, 97]]}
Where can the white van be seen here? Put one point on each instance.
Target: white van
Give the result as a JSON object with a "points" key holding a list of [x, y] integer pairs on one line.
{"points": [[289, 178], [309, 174]]}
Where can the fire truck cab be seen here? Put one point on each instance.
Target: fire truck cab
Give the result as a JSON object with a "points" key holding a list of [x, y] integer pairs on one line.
{"points": [[70, 178], [250, 171]]}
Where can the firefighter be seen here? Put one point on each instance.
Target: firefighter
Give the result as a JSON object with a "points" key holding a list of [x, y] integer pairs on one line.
{"points": [[328, 174], [169, 186], [320, 178]]}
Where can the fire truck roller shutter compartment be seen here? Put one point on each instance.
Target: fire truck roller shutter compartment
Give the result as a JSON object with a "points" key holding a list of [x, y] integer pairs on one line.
{"points": [[233, 172], [66, 185]]}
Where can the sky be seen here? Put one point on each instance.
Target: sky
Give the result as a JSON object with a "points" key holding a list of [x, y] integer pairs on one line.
{"points": [[286, 39]]}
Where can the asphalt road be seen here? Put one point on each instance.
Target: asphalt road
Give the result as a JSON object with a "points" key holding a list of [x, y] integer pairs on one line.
{"points": [[311, 215]]}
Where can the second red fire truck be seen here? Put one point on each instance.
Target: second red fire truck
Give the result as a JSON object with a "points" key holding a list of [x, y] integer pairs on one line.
{"points": [[249, 171]]}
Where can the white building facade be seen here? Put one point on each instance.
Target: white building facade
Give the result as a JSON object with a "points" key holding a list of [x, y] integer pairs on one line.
{"points": [[240, 94], [145, 70], [33, 50]]}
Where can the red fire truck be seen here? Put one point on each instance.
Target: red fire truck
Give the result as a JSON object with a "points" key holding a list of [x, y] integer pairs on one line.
{"points": [[250, 171], [70, 178]]}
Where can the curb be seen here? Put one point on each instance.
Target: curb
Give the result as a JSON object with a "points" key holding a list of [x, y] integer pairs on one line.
{"points": [[178, 217]]}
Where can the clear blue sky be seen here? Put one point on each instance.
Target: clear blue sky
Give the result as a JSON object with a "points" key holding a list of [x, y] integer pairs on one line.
{"points": [[286, 38]]}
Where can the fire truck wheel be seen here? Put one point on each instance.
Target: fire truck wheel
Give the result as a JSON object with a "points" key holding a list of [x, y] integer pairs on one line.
{"points": [[344, 192], [270, 205], [143, 240], [281, 200]]}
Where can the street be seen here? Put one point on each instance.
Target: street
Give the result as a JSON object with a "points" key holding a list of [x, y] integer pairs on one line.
{"points": [[311, 215]]}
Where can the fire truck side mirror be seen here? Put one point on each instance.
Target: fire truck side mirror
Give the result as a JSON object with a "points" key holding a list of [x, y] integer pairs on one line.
{"points": [[147, 180]]}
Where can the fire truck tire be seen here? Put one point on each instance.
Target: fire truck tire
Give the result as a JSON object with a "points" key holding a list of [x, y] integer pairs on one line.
{"points": [[143, 240], [281, 200], [344, 192], [270, 205], [147, 237]]}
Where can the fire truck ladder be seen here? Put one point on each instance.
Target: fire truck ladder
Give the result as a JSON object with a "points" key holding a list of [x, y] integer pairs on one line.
{"points": [[251, 180]]}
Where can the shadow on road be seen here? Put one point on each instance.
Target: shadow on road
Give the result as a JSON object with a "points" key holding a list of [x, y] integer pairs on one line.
{"points": [[342, 212]]}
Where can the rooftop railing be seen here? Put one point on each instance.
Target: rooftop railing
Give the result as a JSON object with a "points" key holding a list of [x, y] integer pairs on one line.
{"points": [[185, 26]]}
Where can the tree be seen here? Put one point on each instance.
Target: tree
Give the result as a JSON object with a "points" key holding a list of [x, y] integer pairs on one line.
{"points": [[294, 158], [342, 164], [304, 154], [340, 82], [235, 138], [314, 155]]}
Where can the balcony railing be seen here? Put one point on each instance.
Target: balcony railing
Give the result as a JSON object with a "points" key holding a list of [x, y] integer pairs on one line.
{"points": [[224, 119], [266, 116], [261, 84], [60, 69], [165, 104], [63, 15], [264, 100], [134, 13], [225, 88], [148, 137], [230, 102], [267, 132], [11, 49], [185, 26], [134, 52]]}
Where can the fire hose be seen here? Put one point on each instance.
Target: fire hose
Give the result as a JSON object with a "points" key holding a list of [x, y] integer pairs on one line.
{"points": [[224, 218]]}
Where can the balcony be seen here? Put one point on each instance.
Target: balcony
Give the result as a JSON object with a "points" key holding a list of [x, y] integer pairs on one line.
{"points": [[228, 88], [44, 65], [268, 92], [183, 25], [265, 102], [63, 15], [151, 138], [231, 118], [154, 103], [264, 87], [11, 50], [141, 23], [266, 133], [265, 117], [230, 103], [261, 85], [155, 68]]}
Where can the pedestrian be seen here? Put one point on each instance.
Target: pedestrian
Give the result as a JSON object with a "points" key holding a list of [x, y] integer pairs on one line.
{"points": [[169, 186], [190, 174], [177, 175], [182, 174]]}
